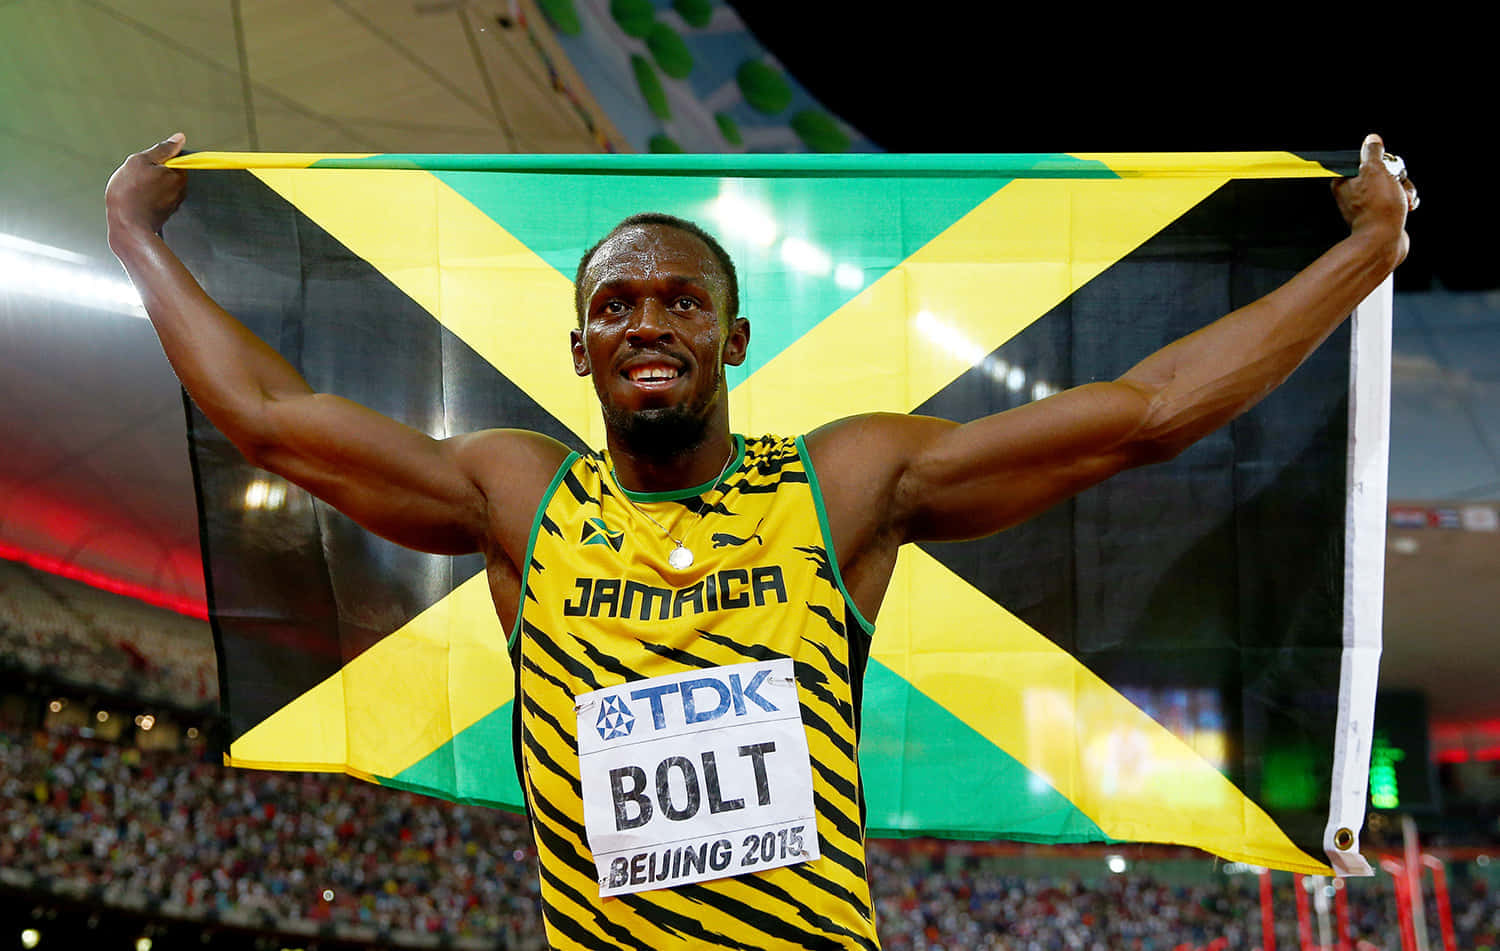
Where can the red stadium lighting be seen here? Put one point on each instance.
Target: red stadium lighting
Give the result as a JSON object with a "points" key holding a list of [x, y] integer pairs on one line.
{"points": [[94, 579]]}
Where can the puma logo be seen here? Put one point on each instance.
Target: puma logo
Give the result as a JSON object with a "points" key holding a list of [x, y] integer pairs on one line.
{"points": [[724, 539]]}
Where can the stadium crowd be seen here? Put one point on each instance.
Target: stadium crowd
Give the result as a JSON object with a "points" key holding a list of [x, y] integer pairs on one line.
{"points": [[157, 826], [929, 902], [130, 828], [75, 635], [133, 828]]}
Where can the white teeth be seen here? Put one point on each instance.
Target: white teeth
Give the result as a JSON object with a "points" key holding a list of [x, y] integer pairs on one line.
{"points": [[652, 375]]}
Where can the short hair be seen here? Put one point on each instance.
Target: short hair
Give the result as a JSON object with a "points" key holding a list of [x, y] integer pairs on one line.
{"points": [[668, 221]]}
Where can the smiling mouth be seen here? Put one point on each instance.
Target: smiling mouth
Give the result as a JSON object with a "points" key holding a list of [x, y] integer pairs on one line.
{"points": [[653, 373]]}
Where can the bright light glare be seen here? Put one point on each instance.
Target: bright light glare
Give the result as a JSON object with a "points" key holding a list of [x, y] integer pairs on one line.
{"points": [[806, 257], [950, 338], [26, 270], [1405, 545], [1116, 864], [1037, 783], [263, 494], [36, 248], [30, 938], [1241, 868], [255, 494], [143, 943], [961, 348], [739, 216], [328, 894], [849, 277]]}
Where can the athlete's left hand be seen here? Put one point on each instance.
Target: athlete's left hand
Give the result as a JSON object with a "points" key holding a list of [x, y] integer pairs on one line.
{"points": [[1376, 201]]}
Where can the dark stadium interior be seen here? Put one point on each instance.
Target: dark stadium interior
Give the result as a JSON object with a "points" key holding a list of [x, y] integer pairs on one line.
{"points": [[118, 826]]}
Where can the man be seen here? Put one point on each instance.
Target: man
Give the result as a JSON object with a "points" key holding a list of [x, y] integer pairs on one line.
{"points": [[689, 567]]}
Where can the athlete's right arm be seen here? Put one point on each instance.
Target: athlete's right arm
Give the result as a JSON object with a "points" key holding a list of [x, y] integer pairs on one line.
{"points": [[396, 481]]}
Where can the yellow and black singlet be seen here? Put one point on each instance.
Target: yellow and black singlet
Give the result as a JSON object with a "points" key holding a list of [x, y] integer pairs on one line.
{"points": [[602, 607]]}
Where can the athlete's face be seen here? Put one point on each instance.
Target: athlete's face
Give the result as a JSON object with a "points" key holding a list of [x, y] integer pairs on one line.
{"points": [[655, 336]]}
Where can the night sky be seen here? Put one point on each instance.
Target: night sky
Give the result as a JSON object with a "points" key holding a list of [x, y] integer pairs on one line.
{"points": [[1069, 81]]}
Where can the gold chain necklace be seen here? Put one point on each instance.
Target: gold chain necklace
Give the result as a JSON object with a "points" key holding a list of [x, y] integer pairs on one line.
{"points": [[681, 557]]}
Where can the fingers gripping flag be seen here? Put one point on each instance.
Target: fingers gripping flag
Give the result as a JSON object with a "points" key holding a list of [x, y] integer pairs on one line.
{"points": [[1160, 659]]}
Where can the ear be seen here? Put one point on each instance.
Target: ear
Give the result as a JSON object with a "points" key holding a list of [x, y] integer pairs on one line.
{"points": [[736, 341], [580, 355]]}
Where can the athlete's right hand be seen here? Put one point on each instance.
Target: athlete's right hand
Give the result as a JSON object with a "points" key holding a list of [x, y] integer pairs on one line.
{"points": [[143, 193]]}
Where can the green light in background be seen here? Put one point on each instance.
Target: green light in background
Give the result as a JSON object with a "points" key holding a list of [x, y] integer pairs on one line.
{"points": [[1384, 793]]}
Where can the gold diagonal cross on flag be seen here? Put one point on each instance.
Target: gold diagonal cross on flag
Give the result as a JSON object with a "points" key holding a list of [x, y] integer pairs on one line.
{"points": [[985, 278]]}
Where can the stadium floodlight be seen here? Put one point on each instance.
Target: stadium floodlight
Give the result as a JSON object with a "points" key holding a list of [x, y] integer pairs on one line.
{"points": [[43, 270]]}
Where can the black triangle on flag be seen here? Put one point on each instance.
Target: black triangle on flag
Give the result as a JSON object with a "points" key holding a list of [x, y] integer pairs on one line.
{"points": [[1201, 564], [297, 589]]}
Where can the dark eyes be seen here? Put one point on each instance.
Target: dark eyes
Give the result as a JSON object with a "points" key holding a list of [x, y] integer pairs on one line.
{"points": [[616, 307]]}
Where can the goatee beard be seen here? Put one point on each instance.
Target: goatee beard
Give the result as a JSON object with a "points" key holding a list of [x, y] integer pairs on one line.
{"points": [[660, 433], [667, 432]]}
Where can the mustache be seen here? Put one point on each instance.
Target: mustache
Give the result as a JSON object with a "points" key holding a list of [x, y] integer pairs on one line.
{"points": [[633, 353]]}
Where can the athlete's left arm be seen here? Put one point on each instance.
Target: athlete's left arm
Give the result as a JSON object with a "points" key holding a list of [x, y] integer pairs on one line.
{"points": [[929, 479], [984, 476]]}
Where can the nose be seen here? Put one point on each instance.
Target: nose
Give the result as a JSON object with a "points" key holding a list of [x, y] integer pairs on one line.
{"points": [[650, 323]]}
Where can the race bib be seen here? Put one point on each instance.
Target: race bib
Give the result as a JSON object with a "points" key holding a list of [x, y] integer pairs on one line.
{"points": [[696, 776]]}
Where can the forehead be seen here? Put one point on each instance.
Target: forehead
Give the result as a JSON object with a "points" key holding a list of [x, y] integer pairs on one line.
{"points": [[645, 252]]}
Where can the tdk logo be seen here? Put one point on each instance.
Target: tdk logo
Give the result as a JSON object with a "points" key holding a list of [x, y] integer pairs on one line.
{"points": [[686, 702], [615, 719]]}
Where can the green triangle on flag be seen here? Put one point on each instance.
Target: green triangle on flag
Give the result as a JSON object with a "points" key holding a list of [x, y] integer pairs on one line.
{"points": [[916, 757]]}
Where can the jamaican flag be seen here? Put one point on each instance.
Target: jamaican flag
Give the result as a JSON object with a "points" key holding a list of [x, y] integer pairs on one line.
{"points": [[1169, 657]]}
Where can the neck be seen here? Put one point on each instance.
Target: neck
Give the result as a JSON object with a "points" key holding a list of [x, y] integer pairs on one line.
{"points": [[654, 471]]}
